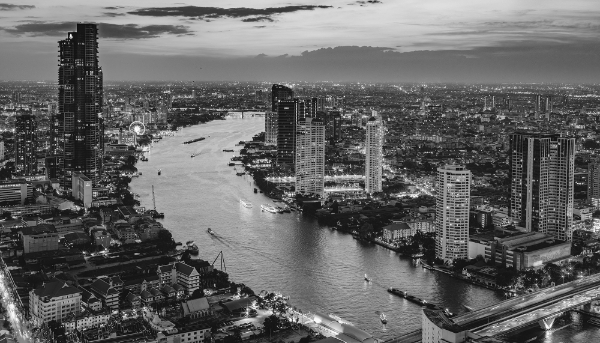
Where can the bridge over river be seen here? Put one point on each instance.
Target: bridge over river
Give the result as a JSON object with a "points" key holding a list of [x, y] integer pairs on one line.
{"points": [[508, 316]]}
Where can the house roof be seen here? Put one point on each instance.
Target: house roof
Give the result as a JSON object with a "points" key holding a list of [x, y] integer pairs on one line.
{"points": [[165, 269], [236, 305], [184, 268], [103, 287], [55, 288], [38, 229], [397, 227], [194, 305]]}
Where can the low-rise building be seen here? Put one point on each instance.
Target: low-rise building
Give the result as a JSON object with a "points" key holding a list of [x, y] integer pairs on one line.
{"points": [[41, 237], [54, 300], [196, 308], [86, 320], [181, 274], [195, 333], [108, 294]]}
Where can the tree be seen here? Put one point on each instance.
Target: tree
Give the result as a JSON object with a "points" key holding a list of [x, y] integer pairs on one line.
{"points": [[197, 294], [271, 323]]}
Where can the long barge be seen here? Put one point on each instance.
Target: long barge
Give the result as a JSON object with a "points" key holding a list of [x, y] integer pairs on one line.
{"points": [[416, 300], [194, 140]]}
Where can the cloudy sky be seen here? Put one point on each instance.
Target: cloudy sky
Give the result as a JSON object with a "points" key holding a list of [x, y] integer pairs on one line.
{"points": [[337, 40]]}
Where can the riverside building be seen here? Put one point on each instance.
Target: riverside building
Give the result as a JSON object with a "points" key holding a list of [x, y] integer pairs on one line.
{"points": [[310, 157], [25, 145], [453, 190], [76, 128], [373, 155], [542, 177]]}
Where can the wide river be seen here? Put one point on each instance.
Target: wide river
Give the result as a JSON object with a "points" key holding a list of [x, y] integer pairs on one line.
{"points": [[322, 270]]}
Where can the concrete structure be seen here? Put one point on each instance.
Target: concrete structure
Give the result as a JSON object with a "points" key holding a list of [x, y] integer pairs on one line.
{"points": [[195, 333], [82, 189], [542, 175], [77, 131], [25, 144], [373, 155], [593, 189], [404, 230], [54, 300], [106, 292], [181, 274], [86, 320], [521, 251], [437, 327], [42, 237], [310, 157], [453, 195], [271, 128], [15, 192]]}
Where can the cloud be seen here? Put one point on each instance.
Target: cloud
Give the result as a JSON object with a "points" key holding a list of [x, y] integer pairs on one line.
{"points": [[11, 7], [250, 14], [106, 30], [255, 19], [112, 14]]}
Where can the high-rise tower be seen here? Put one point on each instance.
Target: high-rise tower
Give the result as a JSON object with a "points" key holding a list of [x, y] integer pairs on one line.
{"points": [[289, 112], [453, 197], [310, 157], [373, 155], [593, 189], [542, 175], [77, 131], [25, 144], [280, 92]]}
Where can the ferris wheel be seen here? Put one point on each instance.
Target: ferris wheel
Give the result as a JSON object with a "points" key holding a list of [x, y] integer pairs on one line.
{"points": [[137, 127]]}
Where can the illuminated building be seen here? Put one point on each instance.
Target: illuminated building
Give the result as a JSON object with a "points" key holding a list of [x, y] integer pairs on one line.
{"points": [[77, 132], [542, 176], [453, 196], [25, 144], [54, 300], [373, 155], [310, 157]]}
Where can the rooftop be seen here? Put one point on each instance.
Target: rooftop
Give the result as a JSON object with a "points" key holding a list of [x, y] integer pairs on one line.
{"points": [[55, 288]]}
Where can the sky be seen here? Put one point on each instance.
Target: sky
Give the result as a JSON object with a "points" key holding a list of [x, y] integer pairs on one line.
{"points": [[427, 41]]}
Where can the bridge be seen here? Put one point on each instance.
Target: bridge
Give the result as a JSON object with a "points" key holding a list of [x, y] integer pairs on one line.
{"points": [[503, 318]]}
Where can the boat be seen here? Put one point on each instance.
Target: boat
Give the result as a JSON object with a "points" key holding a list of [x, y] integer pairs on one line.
{"points": [[189, 242], [246, 203], [194, 140], [367, 278], [255, 190], [469, 309], [227, 150], [195, 154], [240, 174], [144, 159], [383, 318], [231, 164], [268, 208], [159, 172], [210, 231], [155, 214]]}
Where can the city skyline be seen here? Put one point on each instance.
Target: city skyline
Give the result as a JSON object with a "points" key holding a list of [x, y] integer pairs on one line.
{"points": [[374, 41]]}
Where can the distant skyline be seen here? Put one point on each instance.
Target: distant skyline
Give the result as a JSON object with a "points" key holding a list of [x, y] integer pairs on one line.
{"points": [[370, 40]]}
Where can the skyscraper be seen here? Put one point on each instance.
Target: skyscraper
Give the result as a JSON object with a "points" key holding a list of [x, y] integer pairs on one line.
{"points": [[310, 157], [373, 155], [542, 175], [593, 190], [453, 197], [25, 144], [289, 112], [77, 132], [280, 92], [271, 128]]}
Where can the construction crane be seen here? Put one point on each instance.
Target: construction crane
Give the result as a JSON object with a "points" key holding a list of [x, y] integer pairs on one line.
{"points": [[223, 266]]}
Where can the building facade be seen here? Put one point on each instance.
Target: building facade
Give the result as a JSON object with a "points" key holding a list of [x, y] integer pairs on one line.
{"points": [[542, 179], [77, 128], [310, 157], [373, 155], [54, 300], [280, 92], [289, 112], [42, 237], [82, 189], [453, 196], [271, 128], [25, 144], [593, 191]]}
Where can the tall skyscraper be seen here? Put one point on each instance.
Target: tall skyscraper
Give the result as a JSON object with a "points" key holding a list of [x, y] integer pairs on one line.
{"points": [[289, 112], [593, 190], [310, 157], [271, 128], [280, 92], [373, 155], [77, 131], [453, 197], [542, 175], [25, 144]]}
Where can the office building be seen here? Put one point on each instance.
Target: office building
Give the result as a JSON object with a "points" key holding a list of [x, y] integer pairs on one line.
{"points": [[54, 300], [271, 128], [593, 190], [82, 189], [77, 131], [453, 197], [15, 192], [373, 155], [25, 144], [280, 92], [542, 176], [42, 237], [310, 157], [289, 112]]}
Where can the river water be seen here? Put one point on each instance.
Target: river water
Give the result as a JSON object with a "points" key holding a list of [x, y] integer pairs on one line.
{"points": [[322, 270]]}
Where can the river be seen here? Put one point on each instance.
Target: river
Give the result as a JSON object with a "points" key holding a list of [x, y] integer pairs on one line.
{"points": [[320, 269]]}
